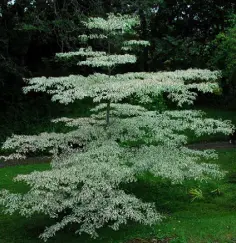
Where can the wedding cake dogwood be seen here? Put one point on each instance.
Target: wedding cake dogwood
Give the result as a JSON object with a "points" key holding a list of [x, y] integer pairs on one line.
{"points": [[84, 185]]}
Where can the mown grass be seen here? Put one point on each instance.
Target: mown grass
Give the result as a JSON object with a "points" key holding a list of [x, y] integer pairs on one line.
{"points": [[212, 219]]}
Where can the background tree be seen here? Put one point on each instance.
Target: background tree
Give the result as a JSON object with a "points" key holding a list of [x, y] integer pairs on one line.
{"points": [[224, 58]]}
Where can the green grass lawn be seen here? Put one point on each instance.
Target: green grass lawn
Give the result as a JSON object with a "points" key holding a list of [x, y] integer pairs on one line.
{"points": [[211, 219]]}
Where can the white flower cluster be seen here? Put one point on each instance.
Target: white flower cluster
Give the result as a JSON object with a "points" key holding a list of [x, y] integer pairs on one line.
{"points": [[115, 88], [84, 186], [128, 123], [112, 23], [136, 42], [128, 45], [89, 185], [109, 60], [83, 52], [71, 122], [85, 38]]}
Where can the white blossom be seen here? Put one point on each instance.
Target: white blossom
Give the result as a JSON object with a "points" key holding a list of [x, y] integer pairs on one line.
{"points": [[84, 52], [92, 36], [178, 84], [109, 60], [112, 23], [128, 45]]}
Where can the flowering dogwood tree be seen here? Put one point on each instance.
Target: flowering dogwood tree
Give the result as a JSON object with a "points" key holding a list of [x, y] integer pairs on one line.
{"points": [[84, 184]]}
